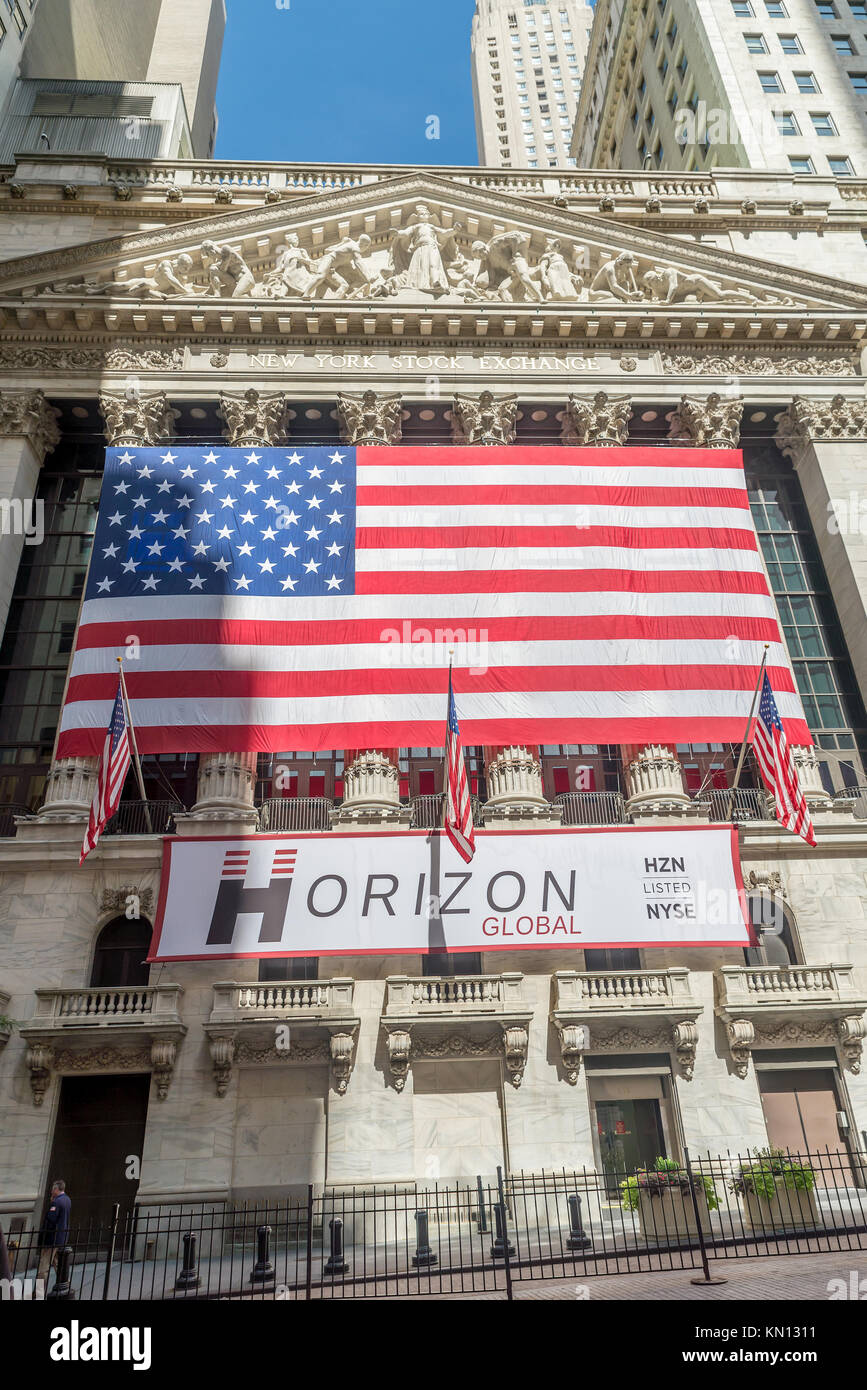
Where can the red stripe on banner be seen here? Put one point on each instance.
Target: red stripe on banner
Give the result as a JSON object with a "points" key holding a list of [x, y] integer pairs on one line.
{"points": [[337, 632], [411, 679], [548, 537], [527, 456], [220, 738], [561, 494], [496, 581]]}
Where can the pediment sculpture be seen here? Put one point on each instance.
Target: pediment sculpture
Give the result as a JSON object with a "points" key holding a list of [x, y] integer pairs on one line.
{"points": [[425, 259]]}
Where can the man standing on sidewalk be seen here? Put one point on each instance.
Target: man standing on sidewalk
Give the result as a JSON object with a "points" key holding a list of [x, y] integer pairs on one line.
{"points": [[55, 1228]]}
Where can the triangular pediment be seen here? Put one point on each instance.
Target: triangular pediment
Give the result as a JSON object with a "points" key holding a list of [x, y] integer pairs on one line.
{"points": [[418, 241]]}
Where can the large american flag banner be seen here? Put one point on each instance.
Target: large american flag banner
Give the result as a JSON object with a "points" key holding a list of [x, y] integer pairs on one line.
{"points": [[458, 807], [111, 775], [305, 598], [777, 766]]}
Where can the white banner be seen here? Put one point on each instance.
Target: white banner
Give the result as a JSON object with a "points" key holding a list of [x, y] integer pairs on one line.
{"points": [[350, 894]]}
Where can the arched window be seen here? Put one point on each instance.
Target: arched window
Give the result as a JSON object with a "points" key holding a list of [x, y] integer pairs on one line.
{"points": [[120, 956], [775, 932]]}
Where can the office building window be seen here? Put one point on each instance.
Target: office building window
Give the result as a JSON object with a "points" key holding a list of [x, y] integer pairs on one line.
{"points": [[801, 164], [843, 44], [756, 43], [826, 10], [806, 82], [859, 81], [770, 81], [823, 123], [840, 166], [790, 43], [743, 9], [786, 123], [776, 9]]}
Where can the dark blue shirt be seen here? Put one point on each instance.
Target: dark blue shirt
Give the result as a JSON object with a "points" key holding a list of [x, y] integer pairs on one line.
{"points": [[57, 1220]]}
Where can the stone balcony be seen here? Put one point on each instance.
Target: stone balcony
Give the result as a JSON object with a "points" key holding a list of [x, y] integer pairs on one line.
{"points": [[790, 1006], [81, 1030], [296, 1021], [456, 1016], [642, 1010]]}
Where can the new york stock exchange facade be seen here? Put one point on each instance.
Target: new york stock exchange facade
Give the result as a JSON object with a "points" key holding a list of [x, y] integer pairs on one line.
{"points": [[262, 305]]}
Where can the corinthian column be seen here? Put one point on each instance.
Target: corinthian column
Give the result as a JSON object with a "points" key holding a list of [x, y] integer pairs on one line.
{"points": [[255, 419], [28, 431], [135, 420], [654, 784], [225, 790], [371, 791], [484, 419], [368, 418]]}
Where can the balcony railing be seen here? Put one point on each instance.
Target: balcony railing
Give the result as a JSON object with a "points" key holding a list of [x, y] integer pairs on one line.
{"points": [[748, 804], [59, 1009], [7, 819], [857, 797], [427, 811], [241, 1003], [618, 991], [592, 808], [793, 986], [132, 818], [296, 813], [453, 995]]}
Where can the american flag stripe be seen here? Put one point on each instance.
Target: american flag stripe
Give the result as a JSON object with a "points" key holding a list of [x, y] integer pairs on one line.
{"points": [[607, 593], [111, 775], [777, 767]]}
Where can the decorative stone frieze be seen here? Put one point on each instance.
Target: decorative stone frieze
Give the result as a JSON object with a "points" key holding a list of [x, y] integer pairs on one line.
{"points": [[840, 418], [255, 418], [484, 419], [601, 420], [709, 422], [654, 782], [515, 793], [28, 414], [138, 419], [369, 418]]}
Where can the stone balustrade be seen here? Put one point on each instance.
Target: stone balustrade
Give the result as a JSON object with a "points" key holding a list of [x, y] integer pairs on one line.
{"points": [[649, 1009], [792, 985], [621, 989], [424, 1013], [766, 1006], [70, 1008], [458, 994], [241, 1003]]}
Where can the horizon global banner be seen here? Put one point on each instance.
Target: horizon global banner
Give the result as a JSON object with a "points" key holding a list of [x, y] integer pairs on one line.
{"points": [[386, 893]]}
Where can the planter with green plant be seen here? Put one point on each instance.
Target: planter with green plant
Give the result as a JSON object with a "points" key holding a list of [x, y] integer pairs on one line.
{"points": [[662, 1197], [776, 1192]]}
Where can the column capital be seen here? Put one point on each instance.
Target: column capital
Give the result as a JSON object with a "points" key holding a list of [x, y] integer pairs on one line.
{"points": [[254, 418], [369, 418], [836, 418], [484, 419], [600, 420], [138, 418], [707, 422], [27, 414]]}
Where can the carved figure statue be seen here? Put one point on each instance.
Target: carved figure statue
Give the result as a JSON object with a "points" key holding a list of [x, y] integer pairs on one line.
{"points": [[228, 274], [169, 278], [503, 261], [616, 278], [421, 253], [558, 281], [293, 273], [342, 270], [669, 286]]}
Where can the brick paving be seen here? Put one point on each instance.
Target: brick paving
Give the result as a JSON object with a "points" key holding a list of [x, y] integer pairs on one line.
{"points": [[786, 1277]]}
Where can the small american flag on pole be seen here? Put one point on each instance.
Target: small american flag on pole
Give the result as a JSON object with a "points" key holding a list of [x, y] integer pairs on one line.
{"points": [[113, 767], [778, 769], [459, 812]]}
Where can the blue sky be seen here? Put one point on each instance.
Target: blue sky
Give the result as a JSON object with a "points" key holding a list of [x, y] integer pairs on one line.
{"points": [[341, 80]]}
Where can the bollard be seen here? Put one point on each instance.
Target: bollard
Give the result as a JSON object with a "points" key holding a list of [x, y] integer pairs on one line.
{"points": [[63, 1275], [423, 1253], [189, 1275], [263, 1270], [502, 1246], [483, 1211], [578, 1239], [336, 1263]]}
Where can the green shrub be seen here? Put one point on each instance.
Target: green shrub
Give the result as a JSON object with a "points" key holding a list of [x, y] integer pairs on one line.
{"points": [[761, 1173], [665, 1175]]}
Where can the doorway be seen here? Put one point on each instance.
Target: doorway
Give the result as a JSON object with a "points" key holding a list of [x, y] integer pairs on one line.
{"points": [[801, 1110], [100, 1129], [633, 1124]]}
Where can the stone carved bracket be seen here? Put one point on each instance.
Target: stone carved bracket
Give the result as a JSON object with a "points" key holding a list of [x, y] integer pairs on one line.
{"points": [[27, 413], [404, 1046], [574, 1042], [255, 418], [138, 419], [600, 420], [768, 879], [398, 1047], [227, 1051], [43, 1059], [710, 422], [369, 418], [851, 1033], [742, 1037], [684, 1037]]}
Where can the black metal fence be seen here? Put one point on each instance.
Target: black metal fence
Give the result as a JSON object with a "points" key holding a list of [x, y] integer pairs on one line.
{"points": [[481, 1236]]}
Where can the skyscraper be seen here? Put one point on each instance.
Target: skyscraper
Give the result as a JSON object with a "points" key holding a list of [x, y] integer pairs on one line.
{"points": [[528, 62], [753, 84]]}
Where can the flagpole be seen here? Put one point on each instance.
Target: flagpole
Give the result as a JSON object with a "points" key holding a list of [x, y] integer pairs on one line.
{"points": [[134, 747], [746, 738], [446, 749]]}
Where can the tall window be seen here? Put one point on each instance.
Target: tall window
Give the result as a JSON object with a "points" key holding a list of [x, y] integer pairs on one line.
{"points": [[120, 957]]}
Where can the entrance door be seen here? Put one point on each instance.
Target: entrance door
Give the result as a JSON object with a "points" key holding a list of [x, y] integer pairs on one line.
{"points": [[630, 1136], [801, 1116], [100, 1128]]}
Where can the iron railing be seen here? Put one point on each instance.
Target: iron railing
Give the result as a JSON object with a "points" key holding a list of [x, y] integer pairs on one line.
{"points": [[132, 818], [592, 808], [427, 811], [747, 804], [483, 1235], [296, 813]]}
